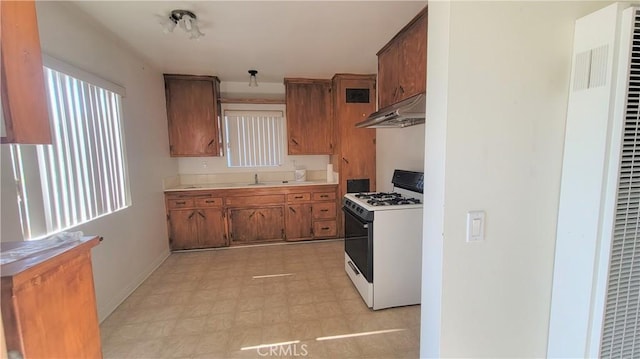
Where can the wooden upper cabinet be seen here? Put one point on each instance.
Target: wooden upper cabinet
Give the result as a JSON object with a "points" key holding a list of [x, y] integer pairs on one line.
{"points": [[24, 101], [402, 63], [388, 65], [193, 115], [309, 120]]}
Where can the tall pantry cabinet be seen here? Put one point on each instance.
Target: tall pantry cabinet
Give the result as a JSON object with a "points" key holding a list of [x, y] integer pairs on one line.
{"points": [[354, 98]]}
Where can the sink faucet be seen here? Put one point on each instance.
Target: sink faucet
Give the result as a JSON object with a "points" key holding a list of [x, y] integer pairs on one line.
{"points": [[255, 178]]}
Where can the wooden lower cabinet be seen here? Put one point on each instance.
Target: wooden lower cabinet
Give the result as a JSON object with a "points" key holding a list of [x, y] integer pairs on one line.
{"points": [[299, 218], [313, 219], [325, 229], [196, 221], [49, 303], [324, 220], [217, 218], [258, 224], [197, 228]]}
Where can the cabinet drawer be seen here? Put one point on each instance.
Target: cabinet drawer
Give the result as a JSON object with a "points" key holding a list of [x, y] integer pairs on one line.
{"points": [[298, 197], [324, 196], [180, 203], [324, 229], [253, 200], [209, 202], [324, 210]]}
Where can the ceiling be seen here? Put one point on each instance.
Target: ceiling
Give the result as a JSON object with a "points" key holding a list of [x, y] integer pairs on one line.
{"points": [[314, 39]]}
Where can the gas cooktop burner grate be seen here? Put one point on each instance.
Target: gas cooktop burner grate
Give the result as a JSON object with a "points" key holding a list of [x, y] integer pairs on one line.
{"points": [[393, 201], [378, 195], [386, 199]]}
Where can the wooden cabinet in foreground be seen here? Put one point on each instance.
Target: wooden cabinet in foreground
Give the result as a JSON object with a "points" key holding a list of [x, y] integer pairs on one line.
{"points": [[402, 63], [193, 114], [23, 102], [49, 302], [309, 122]]}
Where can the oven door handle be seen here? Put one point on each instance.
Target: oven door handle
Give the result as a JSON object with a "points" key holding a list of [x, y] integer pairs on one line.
{"points": [[353, 268]]}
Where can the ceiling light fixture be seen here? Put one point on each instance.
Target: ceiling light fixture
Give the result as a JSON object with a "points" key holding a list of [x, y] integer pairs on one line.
{"points": [[253, 80], [186, 20]]}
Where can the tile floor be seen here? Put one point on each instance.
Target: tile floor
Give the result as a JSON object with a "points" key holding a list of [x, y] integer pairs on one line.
{"points": [[209, 304]]}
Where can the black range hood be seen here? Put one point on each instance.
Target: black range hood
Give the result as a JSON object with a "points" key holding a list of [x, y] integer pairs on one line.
{"points": [[405, 113]]}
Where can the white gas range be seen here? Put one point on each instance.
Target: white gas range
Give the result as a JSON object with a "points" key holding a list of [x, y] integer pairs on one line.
{"points": [[383, 242]]}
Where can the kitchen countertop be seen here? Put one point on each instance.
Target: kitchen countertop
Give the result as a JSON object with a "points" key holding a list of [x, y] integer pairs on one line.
{"points": [[266, 184]]}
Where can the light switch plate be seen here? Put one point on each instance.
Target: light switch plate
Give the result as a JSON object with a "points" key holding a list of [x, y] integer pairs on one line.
{"points": [[475, 226]]}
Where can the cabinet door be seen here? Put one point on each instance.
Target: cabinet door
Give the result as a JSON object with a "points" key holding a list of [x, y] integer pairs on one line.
{"points": [[413, 77], [388, 69], [270, 222], [211, 228], [298, 221], [183, 229], [256, 224], [309, 127], [193, 116]]}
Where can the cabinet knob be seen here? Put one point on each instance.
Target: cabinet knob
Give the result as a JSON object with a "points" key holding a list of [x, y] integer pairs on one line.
{"points": [[294, 141]]}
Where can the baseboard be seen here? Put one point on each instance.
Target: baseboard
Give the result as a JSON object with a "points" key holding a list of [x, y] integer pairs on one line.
{"points": [[106, 310]]}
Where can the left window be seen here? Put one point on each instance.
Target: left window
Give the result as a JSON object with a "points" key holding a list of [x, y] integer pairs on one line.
{"points": [[82, 175]]}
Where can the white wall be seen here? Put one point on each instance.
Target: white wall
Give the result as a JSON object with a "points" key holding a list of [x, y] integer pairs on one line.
{"points": [[500, 127], [398, 148], [135, 239]]}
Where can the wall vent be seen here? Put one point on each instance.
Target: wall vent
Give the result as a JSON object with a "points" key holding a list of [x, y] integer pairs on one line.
{"points": [[591, 68], [581, 74]]}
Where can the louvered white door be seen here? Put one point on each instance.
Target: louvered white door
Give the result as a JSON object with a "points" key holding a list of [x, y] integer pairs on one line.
{"points": [[594, 306], [620, 330]]}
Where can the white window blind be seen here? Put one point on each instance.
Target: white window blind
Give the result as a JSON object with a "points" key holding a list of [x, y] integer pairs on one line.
{"points": [[254, 138], [83, 174]]}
